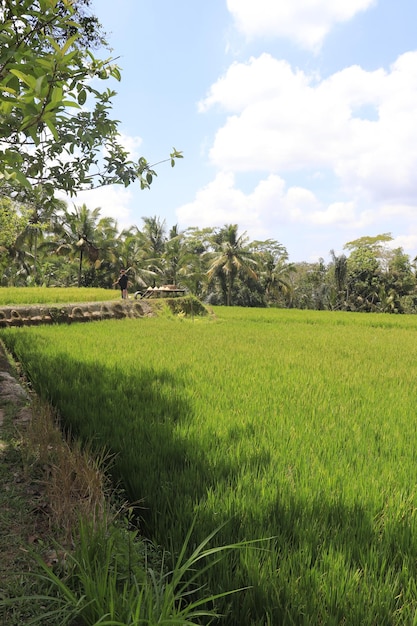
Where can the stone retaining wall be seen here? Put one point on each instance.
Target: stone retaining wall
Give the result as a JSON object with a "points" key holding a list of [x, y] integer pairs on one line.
{"points": [[69, 313]]}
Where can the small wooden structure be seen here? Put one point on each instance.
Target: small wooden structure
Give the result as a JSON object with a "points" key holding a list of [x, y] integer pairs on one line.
{"points": [[165, 291]]}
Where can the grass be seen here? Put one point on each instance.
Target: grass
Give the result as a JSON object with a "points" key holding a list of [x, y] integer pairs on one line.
{"points": [[20, 496], [15, 527], [296, 425], [52, 295], [114, 578]]}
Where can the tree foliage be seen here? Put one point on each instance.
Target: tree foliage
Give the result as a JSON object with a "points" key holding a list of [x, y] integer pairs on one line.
{"points": [[55, 123], [12, 223], [231, 258], [58, 246]]}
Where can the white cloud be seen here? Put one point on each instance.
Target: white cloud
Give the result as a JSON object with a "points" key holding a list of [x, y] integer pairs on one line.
{"points": [[113, 200], [335, 213], [359, 124], [399, 210], [407, 242], [260, 79], [131, 145], [216, 204], [307, 22], [299, 204], [267, 209]]}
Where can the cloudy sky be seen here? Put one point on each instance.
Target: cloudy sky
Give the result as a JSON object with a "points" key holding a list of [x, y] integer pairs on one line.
{"points": [[297, 118]]}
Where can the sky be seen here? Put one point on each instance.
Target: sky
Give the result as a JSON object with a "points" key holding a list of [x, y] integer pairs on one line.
{"points": [[297, 118]]}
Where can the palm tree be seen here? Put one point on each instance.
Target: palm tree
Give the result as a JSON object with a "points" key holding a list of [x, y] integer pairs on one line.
{"points": [[195, 244], [154, 239], [80, 235], [154, 232], [176, 257], [16, 266], [131, 254], [231, 258]]}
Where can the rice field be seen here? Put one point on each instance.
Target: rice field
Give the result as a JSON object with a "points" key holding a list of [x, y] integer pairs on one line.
{"points": [[295, 427], [52, 295]]}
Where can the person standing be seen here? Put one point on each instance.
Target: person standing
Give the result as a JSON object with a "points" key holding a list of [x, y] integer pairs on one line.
{"points": [[122, 281]]}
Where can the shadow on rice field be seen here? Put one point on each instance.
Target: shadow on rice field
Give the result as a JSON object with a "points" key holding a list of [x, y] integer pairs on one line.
{"points": [[329, 487]]}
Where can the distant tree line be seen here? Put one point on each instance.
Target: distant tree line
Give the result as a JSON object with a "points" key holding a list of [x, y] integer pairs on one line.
{"points": [[374, 277], [53, 245]]}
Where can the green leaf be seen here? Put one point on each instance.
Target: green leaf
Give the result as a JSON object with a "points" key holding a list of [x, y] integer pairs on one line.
{"points": [[176, 154], [30, 81], [39, 84], [21, 179], [9, 90], [70, 103], [52, 128], [69, 43], [57, 95], [82, 97], [115, 72]]}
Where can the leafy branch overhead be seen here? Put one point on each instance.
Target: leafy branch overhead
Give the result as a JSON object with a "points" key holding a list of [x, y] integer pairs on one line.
{"points": [[55, 124], [146, 171]]}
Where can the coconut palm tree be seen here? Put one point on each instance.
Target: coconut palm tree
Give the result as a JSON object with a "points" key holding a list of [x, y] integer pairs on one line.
{"points": [[132, 255], [176, 258], [153, 244], [83, 234], [230, 258], [193, 259]]}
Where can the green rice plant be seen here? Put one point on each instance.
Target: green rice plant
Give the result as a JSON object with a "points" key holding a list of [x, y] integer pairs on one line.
{"points": [[299, 425], [50, 295]]}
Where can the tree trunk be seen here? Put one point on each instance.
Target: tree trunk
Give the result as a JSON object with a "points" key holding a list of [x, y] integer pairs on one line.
{"points": [[80, 267]]}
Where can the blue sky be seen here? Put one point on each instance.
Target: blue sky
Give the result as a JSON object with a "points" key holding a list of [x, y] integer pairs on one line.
{"points": [[297, 120]]}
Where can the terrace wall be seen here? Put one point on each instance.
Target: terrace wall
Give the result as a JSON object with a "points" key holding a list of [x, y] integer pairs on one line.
{"points": [[34, 315], [69, 313]]}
